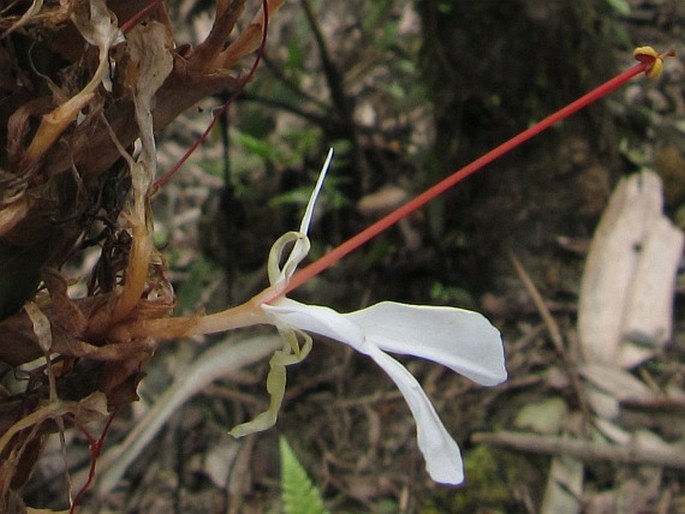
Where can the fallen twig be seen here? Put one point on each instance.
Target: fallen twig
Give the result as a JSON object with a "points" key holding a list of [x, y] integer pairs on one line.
{"points": [[586, 450], [217, 362], [570, 363]]}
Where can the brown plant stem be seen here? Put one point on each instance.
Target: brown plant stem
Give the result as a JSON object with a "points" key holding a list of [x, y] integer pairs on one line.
{"points": [[245, 315]]}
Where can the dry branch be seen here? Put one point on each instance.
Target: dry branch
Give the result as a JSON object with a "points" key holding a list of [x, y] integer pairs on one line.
{"points": [[670, 457]]}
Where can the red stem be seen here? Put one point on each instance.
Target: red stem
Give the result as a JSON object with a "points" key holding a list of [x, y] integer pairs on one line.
{"points": [[365, 235], [131, 22], [95, 451]]}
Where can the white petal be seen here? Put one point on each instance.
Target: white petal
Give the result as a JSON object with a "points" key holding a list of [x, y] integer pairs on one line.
{"points": [[319, 320], [442, 455], [309, 211], [462, 340]]}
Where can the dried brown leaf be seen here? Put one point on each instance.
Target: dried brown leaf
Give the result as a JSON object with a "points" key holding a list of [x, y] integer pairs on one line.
{"points": [[91, 408], [41, 326], [99, 27], [627, 287], [28, 16], [202, 59]]}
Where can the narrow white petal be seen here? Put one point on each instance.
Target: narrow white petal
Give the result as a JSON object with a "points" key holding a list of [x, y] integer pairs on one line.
{"points": [[462, 340], [441, 452], [309, 211]]}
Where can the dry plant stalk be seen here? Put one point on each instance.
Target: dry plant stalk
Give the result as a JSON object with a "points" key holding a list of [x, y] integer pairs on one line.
{"points": [[68, 167]]}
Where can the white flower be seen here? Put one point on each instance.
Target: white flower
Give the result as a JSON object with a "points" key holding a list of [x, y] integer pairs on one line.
{"points": [[462, 340]]}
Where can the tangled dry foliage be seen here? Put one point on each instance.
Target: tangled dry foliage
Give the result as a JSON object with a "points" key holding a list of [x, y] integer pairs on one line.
{"points": [[81, 82]]}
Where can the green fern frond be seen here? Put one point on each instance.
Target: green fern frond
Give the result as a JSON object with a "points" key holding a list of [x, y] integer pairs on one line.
{"points": [[298, 492]]}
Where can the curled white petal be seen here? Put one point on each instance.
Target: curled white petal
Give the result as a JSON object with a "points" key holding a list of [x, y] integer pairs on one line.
{"points": [[291, 353], [298, 240], [299, 248], [464, 341]]}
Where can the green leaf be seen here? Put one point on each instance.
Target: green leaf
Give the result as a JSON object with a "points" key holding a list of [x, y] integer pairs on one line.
{"points": [[622, 7], [299, 494], [258, 147]]}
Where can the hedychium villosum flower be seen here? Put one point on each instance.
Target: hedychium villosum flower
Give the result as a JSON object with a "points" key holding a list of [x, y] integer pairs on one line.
{"points": [[462, 340]]}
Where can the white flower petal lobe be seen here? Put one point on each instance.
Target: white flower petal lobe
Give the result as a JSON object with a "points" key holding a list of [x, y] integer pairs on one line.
{"points": [[462, 340]]}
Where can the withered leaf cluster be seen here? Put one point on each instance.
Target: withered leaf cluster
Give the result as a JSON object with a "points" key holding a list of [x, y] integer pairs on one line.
{"points": [[80, 82]]}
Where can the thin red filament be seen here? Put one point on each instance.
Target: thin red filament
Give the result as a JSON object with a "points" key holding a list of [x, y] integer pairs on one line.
{"points": [[133, 21], [384, 223], [96, 446]]}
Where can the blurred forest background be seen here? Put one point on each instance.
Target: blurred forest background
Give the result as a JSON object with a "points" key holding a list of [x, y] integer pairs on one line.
{"points": [[405, 92]]}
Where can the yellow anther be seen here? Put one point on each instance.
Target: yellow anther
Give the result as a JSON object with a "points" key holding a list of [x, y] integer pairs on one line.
{"points": [[654, 60]]}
